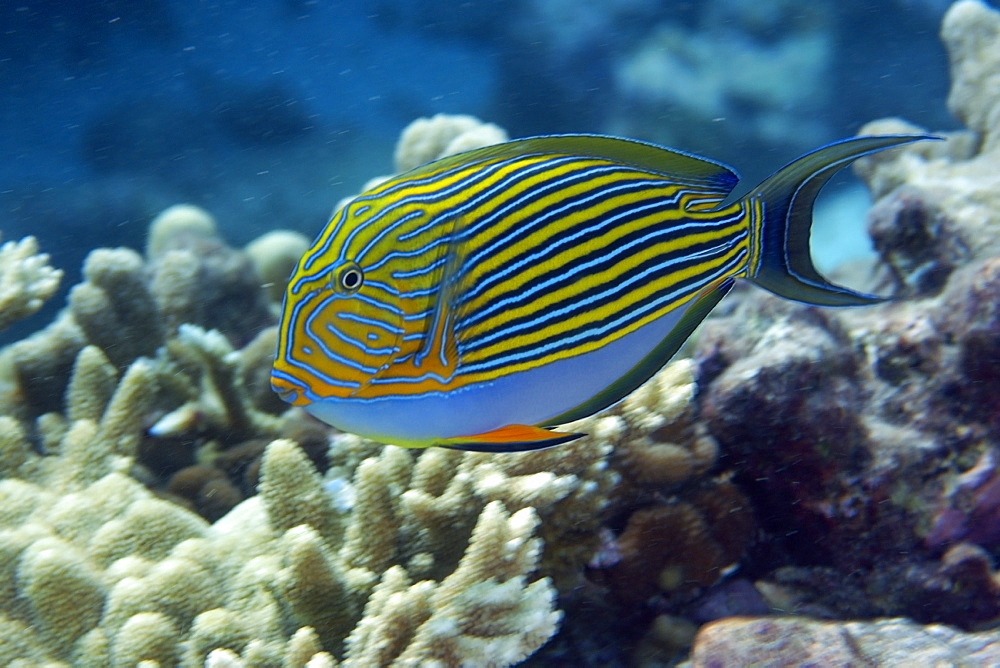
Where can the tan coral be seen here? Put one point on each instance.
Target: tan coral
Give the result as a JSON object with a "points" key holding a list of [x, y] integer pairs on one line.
{"points": [[175, 286], [469, 618], [372, 545], [39, 367], [202, 371], [313, 582], [128, 307], [175, 226], [90, 449], [568, 486], [114, 306], [274, 256], [376, 481], [147, 637], [179, 583], [292, 492], [427, 139], [26, 280], [163, 586], [394, 610], [64, 592], [90, 387], [304, 649], [15, 449]]}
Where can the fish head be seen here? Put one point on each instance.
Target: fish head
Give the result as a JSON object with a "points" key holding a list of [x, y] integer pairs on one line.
{"points": [[341, 324]]}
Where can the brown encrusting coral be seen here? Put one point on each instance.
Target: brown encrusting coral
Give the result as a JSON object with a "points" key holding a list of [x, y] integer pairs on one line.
{"points": [[676, 549]]}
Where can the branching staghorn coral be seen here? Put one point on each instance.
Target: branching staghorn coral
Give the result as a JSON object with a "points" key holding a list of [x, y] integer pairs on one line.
{"points": [[202, 367], [162, 307], [151, 581], [438, 494], [438, 547], [26, 280]]}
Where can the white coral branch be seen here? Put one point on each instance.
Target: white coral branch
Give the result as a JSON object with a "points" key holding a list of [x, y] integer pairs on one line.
{"points": [[26, 280]]}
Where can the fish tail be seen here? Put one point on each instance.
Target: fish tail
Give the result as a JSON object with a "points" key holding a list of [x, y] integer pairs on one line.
{"points": [[782, 216]]}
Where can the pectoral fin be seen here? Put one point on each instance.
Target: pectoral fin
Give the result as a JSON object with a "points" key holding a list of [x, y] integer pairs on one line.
{"points": [[512, 438]]}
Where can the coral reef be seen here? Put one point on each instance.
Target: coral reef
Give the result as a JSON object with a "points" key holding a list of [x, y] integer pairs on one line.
{"points": [[187, 307], [823, 463], [857, 447], [98, 571]]}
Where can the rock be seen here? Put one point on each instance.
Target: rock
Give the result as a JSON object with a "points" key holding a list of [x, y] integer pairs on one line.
{"points": [[796, 641]]}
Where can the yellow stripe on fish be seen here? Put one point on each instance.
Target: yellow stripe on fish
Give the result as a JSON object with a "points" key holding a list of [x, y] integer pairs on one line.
{"points": [[478, 299]]}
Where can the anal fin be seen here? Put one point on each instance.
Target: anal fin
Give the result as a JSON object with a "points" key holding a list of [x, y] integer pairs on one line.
{"points": [[511, 438]]}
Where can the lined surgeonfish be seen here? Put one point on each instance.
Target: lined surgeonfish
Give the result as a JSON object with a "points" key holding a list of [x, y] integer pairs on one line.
{"points": [[476, 300]]}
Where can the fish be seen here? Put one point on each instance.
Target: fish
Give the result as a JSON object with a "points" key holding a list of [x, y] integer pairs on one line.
{"points": [[481, 300]]}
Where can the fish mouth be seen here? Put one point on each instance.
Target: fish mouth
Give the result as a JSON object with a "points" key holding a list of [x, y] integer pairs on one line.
{"points": [[288, 389]]}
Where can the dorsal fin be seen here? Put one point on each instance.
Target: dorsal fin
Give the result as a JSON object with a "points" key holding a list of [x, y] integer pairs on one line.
{"points": [[711, 175]]}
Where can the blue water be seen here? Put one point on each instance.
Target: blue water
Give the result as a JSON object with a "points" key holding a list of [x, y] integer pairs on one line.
{"points": [[265, 113]]}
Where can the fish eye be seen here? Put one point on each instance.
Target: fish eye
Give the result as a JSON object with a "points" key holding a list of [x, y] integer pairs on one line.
{"points": [[350, 278]]}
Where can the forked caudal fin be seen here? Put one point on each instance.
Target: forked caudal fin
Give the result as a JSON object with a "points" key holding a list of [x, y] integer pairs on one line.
{"points": [[785, 201]]}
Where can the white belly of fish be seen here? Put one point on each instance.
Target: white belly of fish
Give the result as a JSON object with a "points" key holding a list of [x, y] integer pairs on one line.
{"points": [[529, 397]]}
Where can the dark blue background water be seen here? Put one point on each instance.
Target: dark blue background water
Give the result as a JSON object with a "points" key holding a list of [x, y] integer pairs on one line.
{"points": [[265, 113]]}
